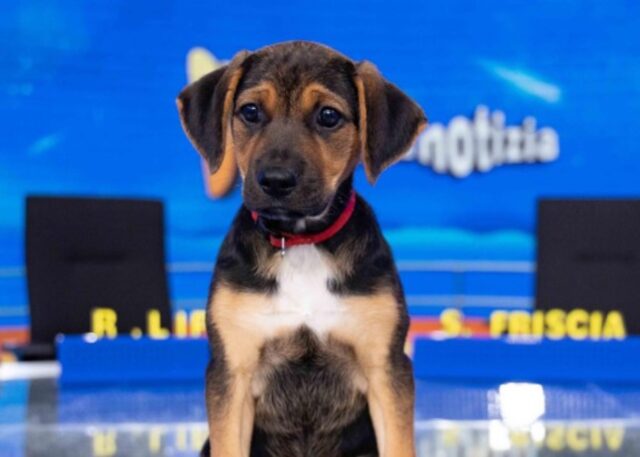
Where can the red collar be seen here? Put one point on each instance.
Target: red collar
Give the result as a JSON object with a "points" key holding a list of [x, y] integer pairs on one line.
{"points": [[291, 239]]}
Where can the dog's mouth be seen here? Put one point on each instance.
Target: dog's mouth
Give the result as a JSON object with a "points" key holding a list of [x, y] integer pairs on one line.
{"points": [[283, 219], [280, 214]]}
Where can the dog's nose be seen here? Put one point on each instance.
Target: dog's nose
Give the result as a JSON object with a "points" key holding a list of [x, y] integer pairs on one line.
{"points": [[277, 181]]}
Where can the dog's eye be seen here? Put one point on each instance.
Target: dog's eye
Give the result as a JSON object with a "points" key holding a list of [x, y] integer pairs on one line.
{"points": [[328, 117], [250, 113]]}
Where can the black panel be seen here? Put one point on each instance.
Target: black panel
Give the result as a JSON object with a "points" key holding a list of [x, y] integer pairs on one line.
{"points": [[84, 253], [589, 256]]}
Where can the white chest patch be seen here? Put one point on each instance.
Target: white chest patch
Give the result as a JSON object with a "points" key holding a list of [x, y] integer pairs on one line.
{"points": [[303, 296]]}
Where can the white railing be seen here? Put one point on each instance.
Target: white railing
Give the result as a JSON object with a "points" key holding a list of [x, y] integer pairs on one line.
{"points": [[457, 267]]}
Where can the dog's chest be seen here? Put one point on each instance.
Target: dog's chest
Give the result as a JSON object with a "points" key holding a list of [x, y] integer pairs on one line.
{"points": [[303, 297]]}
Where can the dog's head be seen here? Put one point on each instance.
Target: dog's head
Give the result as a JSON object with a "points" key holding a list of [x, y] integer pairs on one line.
{"points": [[298, 116]]}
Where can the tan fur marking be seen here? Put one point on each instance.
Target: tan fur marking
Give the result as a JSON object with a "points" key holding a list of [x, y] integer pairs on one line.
{"points": [[230, 430], [316, 94], [222, 179], [264, 94], [227, 112], [369, 71], [362, 126], [246, 146], [335, 155], [350, 157], [241, 340], [369, 328], [267, 263]]}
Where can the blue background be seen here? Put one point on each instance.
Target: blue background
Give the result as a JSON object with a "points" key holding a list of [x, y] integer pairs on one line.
{"points": [[87, 93]]}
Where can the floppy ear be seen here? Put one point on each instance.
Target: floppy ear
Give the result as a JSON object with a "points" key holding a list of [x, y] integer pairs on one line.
{"points": [[389, 120], [206, 108]]}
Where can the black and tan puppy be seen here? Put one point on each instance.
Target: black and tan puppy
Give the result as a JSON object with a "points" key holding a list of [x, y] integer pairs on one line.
{"points": [[306, 315]]}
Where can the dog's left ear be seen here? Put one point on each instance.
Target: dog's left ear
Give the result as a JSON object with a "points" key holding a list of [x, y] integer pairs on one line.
{"points": [[389, 120], [206, 108]]}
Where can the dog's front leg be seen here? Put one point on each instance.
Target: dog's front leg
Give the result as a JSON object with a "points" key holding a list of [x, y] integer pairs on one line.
{"points": [[376, 330], [390, 396], [231, 412], [237, 339]]}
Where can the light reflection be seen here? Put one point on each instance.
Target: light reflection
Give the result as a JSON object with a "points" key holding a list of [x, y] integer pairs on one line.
{"points": [[516, 410], [521, 404], [499, 439]]}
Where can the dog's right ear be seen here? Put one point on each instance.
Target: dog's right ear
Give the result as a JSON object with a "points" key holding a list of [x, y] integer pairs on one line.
{"points": [[389, 120], [206, 108]]}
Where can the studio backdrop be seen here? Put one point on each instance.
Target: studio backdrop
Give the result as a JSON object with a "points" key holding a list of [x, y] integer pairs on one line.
{"points": [[525, 100]]}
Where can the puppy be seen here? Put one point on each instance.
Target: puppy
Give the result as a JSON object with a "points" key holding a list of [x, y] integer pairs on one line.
{"points": [[306, 316]]}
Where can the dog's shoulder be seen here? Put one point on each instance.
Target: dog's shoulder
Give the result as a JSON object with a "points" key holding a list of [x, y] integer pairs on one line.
{"points": [[244, 258], [363, 255]]}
